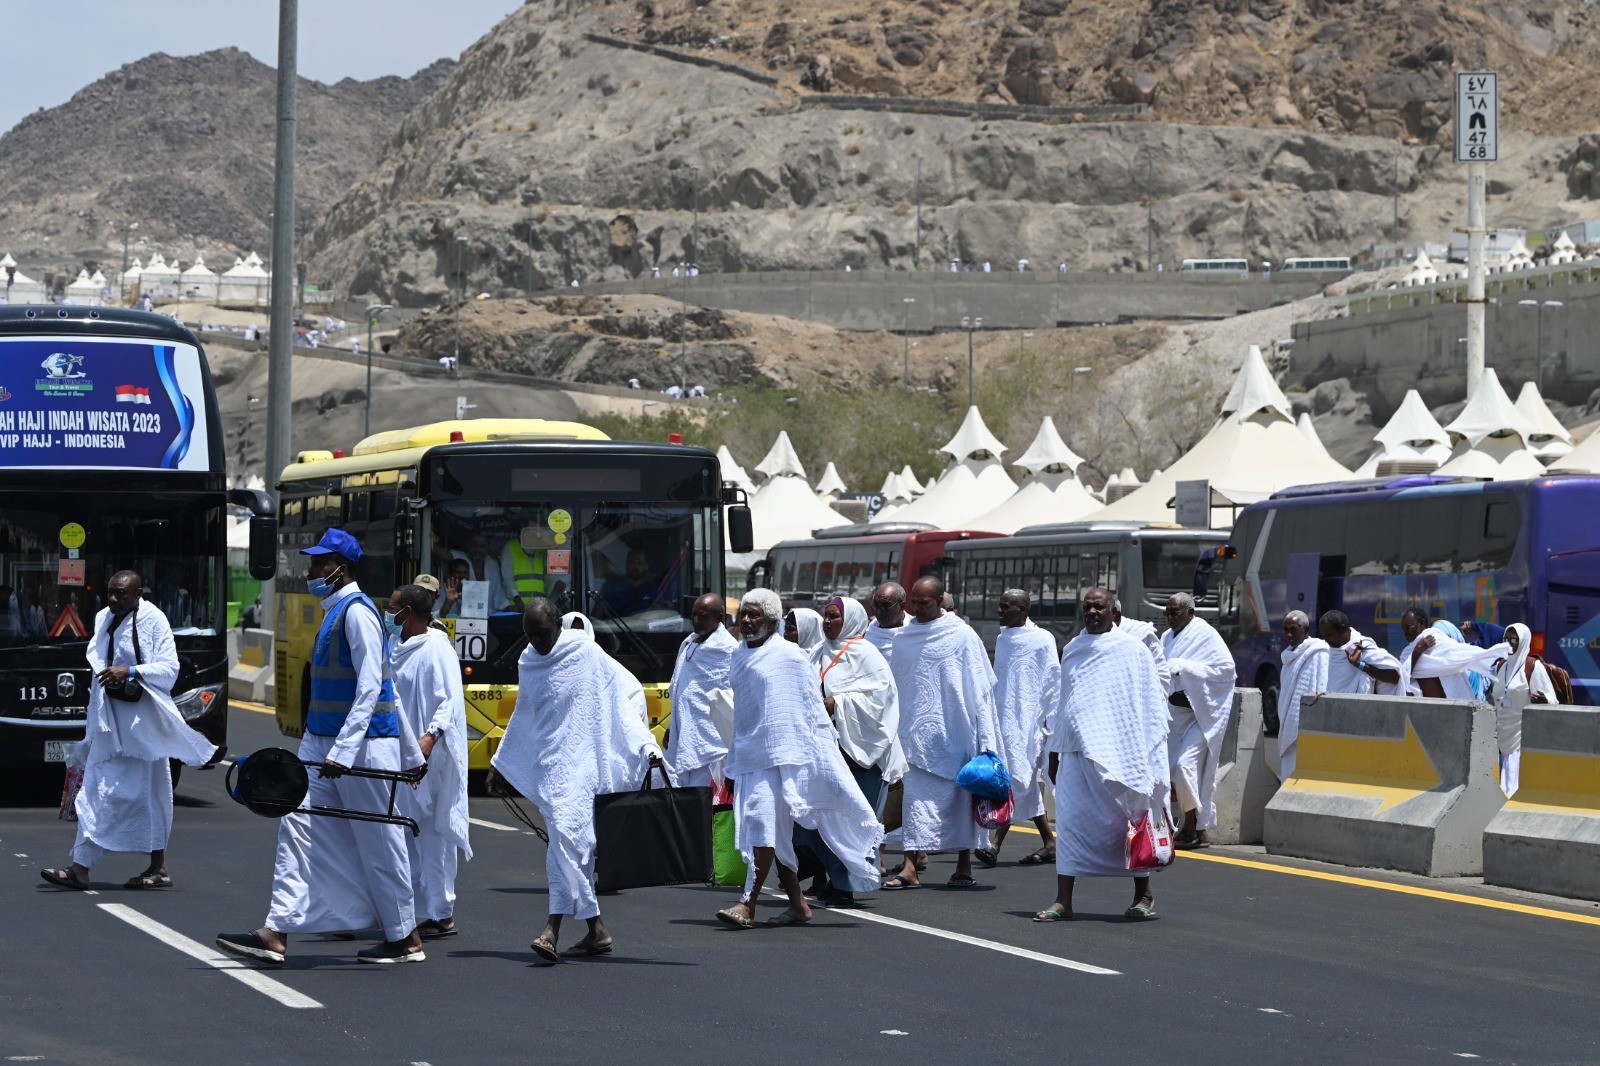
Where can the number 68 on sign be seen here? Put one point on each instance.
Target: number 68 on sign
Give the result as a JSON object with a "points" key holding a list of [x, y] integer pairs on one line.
{"points": [[1477, 117]]}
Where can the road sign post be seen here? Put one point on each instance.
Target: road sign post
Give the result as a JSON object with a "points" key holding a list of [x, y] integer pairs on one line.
{"points": [[1477, 122]]}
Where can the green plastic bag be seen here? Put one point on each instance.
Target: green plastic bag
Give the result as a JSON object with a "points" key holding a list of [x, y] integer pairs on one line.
{"points": [[728, 867]]}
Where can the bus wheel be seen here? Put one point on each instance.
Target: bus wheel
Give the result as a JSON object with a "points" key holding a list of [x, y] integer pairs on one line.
{"points": [[1267, 682]]}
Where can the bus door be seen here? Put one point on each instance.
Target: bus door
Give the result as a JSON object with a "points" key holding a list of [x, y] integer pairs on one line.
{"points": [[1304, 581], [1572, 620]]}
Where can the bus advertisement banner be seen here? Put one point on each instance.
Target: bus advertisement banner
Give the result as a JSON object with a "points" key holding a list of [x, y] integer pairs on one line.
{"points": [[91, 402]]}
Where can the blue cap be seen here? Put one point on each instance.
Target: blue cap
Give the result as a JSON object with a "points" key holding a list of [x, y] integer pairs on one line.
{"points": [[336, 542]]}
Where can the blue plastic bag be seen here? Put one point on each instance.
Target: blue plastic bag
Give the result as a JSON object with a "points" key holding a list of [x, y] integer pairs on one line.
{"points": [[985, 777]]}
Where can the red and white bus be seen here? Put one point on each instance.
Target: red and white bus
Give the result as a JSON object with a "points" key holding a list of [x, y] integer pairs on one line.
{"points": [[851, 561]]}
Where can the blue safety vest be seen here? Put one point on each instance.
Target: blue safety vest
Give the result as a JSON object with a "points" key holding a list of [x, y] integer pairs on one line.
{"points": [[333, 678]]}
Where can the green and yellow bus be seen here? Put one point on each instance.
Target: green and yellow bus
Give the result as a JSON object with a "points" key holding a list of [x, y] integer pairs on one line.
{"points": [[628, 533]]}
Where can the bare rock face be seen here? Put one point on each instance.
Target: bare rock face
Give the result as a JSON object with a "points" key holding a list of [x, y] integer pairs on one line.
{"points": [[1030, 71]]}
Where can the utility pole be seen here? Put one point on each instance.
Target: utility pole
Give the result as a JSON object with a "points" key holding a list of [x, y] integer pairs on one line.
{"points": [[971, 324], [280, 348], [122, 282], [530, 249], [1149, 214], [455, 352], [373, 312], [916, 261], [905, 338]]}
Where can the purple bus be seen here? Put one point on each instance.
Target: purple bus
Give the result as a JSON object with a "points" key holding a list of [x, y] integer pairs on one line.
{"points": [[1503, 552]]}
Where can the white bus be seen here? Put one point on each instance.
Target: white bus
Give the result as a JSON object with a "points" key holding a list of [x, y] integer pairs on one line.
{"points": [[1214, 266], [1340, 263]]}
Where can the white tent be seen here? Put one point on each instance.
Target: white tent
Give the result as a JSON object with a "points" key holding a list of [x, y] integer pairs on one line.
{"points": [[1584, 459], [1123, 483], [731, 470], [895, 496], [1254, 450], [1519, 258], [832, 486], [1489, 437], [1411, 442], [909, 478], [974, 483], [1422, 271], [784, 507], [83, 290], [1563, 251], [157, 278], [1549, 439], [16, 286], [1309, 431], [1050, 493]]}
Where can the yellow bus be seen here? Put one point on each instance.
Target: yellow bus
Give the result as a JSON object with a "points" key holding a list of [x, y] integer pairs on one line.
{"points": [[628, 533]]}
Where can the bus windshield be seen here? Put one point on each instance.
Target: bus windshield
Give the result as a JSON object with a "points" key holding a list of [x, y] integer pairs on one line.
{"points": [[49, 597]]}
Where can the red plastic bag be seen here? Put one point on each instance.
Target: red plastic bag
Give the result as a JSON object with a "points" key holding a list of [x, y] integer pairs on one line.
{"points": [[1149, 841], [991, 814], [70, 787]]}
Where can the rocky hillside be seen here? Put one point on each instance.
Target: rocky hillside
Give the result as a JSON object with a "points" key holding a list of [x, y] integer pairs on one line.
{"points": [[1281, 127], [184, 146]]}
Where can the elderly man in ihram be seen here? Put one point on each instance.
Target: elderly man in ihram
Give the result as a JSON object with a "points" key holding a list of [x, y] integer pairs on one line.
{"points": [[888, 616], [1202, 701], [786, 767], [1305, 673], [1358, 666], [1110, 730], [1436, 663], [575, 734], [125, 803], [695, 748], [947, 716], [1027, 683]]}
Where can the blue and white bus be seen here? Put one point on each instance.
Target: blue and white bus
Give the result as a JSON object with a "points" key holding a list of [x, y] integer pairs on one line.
{"points": [[1502, 552]]}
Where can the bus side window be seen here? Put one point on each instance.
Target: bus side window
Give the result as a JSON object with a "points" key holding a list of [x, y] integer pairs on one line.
{"points": [[824, 586], [785, 578], [806, 580]]}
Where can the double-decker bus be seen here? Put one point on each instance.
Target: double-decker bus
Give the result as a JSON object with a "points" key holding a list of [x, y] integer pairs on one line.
{"points": [[1142, 563], [111, 458], [851, 561], [1502, 551], [628, 533]]}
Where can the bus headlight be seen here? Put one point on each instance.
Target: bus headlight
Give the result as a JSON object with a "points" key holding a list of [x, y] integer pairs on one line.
{"points": [[197, 701]]}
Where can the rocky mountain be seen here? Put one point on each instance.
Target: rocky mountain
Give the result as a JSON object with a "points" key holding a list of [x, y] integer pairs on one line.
{"points": [[1276, 128], [184, 146]]}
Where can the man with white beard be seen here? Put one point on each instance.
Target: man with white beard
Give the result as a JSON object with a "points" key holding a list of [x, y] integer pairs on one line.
{"points": [[947, 716], [1027, 682], [1305, 673], [125, 803], [427, 687], [1110, 734], [575, 734], [786, 767], [1146, 632], [1357, 666], [695, 749], [1202, 701], [888, 616]]}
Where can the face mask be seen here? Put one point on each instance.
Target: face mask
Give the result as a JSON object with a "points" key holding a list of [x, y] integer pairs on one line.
{"points": [[391, 622], [321, 587]]}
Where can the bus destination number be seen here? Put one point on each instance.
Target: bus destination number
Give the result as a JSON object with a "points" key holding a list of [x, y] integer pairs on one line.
{"points": [[471, 639], [34, 694]]}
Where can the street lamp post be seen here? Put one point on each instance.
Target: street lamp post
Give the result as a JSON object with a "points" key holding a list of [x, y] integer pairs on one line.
{"points": [[1538, 342], [455, 354], [694, 251], [970, 324], [122, 282], [905, 339], [373, 311], [244, 438], [916, 262]]}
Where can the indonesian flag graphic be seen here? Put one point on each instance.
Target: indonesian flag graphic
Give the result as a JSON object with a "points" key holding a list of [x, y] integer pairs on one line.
{"points": [[132, 394]]}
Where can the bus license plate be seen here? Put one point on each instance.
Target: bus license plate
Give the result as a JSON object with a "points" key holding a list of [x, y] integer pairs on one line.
{"points": [[57, 750]]}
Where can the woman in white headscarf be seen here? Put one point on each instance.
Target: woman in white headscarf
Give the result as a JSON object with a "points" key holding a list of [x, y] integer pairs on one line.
{"points": [[858, 692], [1516, 686], [803, 626]]}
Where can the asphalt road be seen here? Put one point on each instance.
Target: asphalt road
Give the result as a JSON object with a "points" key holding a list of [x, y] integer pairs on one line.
{"points": [[1253, 960]]}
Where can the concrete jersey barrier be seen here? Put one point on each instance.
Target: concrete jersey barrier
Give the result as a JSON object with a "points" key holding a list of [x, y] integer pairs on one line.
{"points": [[1382, 781], [250, 678], [1547, 837], [1244, 781]]}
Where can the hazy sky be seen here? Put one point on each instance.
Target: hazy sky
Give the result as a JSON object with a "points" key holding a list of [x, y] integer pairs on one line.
{"points": [[57, 48]]}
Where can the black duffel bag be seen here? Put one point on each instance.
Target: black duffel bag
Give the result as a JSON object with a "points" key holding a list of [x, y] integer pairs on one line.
{"points": [[655, 836]]}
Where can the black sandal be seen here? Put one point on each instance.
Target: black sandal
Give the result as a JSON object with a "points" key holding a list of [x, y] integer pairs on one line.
{"points": [[65, 879], [1040, 857]]}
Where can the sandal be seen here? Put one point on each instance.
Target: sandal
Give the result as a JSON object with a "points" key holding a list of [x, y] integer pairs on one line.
{"points": [[898, 883], [1050, 914], [581, 950], [784, 920], [1187, 840], [1143, 911], [988, 856], [65, 879], [250, 946], [433, 929], [1038, 858], [148, 881], [961, 881], [544, 947], [736, 919]]}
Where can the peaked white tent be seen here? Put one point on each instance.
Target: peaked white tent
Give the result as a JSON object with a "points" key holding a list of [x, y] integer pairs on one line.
{"points": [[895, 496], [832, 486], [1519, 258], [16, 286], [974, 483], [731, 470], [1254, 450], [1549, 439], [1125, 482], [785, 507], [1422, 271], [1309, 431], [1411, 442], [83, 290], [1563, 251], [1489, 437], [908, 477], [1050, 493], [1584, 459]]}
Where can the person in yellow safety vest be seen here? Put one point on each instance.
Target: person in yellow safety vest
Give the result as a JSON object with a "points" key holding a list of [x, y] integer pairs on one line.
{"points": [[522, 574]]}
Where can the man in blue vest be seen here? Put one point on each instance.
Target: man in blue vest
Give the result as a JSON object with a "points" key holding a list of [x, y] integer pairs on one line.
{"points": [[335, 875]]}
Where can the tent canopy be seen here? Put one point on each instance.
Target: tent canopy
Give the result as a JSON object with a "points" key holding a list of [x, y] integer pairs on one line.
{"points": [[732, 471], [785, 508], [781, 459], [1049, 452], [1412, 423], [1546, 427], [1490, 413], [974, 483], [831, 484]]}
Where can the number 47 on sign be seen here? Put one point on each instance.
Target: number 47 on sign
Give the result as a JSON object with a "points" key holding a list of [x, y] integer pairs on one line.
{"points": [[1477, 117]]}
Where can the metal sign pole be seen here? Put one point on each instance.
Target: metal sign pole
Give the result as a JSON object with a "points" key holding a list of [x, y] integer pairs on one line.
{"points": [[1477, 122]]}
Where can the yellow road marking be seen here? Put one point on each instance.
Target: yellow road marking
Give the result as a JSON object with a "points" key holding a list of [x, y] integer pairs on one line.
{"points": [[1385, 886], [246, 705]]}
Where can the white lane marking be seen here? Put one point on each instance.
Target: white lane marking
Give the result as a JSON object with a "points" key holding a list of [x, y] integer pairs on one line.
{"points": [[20, 855], [977, 942], [1466, 1055], [1269, 1010], [237, 969], [893, 1032], [24, 1058], [494, 825]]}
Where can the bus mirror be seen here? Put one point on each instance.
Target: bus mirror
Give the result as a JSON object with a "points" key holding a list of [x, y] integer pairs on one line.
{"points": [[263, 546], [405, 534], [741, 529]]}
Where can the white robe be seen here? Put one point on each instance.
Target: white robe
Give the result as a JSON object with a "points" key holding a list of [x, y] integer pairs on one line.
{"points": [[1305, 673], [1026, 688], [427, 686], [695, 748], [1449, 661], [1152, 640], [947, 716], [866, 704], [1345, 678], [126, 800], [1514, 689], [1110, 727], [1202, 669], [331, 874], [881, 638], [786, 766], [574, 735]]}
